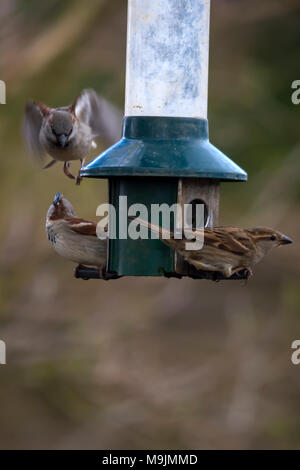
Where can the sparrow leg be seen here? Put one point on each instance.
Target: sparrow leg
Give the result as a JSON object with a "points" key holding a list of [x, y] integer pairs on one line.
{"points": [[49, 164], [237, 269], [249, 273], [78, 177], [243, 268], [102, 272], [66, 170]]}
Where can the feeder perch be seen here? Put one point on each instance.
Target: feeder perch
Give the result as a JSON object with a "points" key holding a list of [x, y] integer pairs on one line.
{"points": [[164, 155]]}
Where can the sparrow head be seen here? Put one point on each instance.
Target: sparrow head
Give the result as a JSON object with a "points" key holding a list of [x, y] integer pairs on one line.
{"points": [[59, 127], [60, 208], [266, 238]]}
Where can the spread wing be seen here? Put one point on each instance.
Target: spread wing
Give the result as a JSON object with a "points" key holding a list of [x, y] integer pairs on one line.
{"points": [[32, 122], [104, 119]]}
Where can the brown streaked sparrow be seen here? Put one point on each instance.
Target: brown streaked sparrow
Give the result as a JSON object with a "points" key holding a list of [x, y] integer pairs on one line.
{"points": [[73, 238], [67, 133], [227, 250]]}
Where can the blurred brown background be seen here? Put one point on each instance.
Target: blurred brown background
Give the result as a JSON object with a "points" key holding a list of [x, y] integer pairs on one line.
{"points": [[150, 363]]}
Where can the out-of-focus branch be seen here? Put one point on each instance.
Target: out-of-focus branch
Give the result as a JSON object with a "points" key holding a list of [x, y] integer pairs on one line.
{"points": [[54, 41]]}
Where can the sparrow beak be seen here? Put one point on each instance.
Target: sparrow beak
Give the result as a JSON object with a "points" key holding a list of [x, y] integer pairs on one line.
{"points": [[285, 240], [56, 199], [62, 139]]}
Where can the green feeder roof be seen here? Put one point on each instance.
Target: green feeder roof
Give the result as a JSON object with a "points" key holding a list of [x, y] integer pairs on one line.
{"points": [[167, 147]]}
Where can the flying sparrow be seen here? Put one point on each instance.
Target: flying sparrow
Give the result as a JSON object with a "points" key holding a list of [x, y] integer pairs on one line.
{"points": [[226, 249], [73, 238], [67, 133]]}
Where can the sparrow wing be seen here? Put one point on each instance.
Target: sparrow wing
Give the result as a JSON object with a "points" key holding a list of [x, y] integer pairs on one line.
{"points": [[231, 239], [104, 119], [32, 123], [228, 239], [84, 227]]}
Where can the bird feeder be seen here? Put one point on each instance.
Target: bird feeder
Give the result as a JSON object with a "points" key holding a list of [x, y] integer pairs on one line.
{"points": [[164, 155]]}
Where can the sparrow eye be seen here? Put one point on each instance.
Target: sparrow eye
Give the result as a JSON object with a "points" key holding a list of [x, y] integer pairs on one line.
{"points": [[273, 238]]}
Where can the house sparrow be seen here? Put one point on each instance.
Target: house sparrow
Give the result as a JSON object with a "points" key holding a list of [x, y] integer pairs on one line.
{"points": [[67, 133], [226, 249], [73, 238]]}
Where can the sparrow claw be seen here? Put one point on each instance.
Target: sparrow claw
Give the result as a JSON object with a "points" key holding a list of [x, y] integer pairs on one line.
{"points": [[248, 273], [79, 177], [244, 273], [106, 276], [66, 170]]}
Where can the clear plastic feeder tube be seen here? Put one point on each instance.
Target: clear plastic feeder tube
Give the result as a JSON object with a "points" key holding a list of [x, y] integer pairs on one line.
{"points": [[167, 58]]}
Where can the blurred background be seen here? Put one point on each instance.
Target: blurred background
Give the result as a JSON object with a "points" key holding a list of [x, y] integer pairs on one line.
{"points": [[147, 362]]}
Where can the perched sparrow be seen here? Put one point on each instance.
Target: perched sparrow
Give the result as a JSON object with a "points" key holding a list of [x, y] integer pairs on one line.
{"points": [[68, 133], [73, 238], [226, 249]]}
